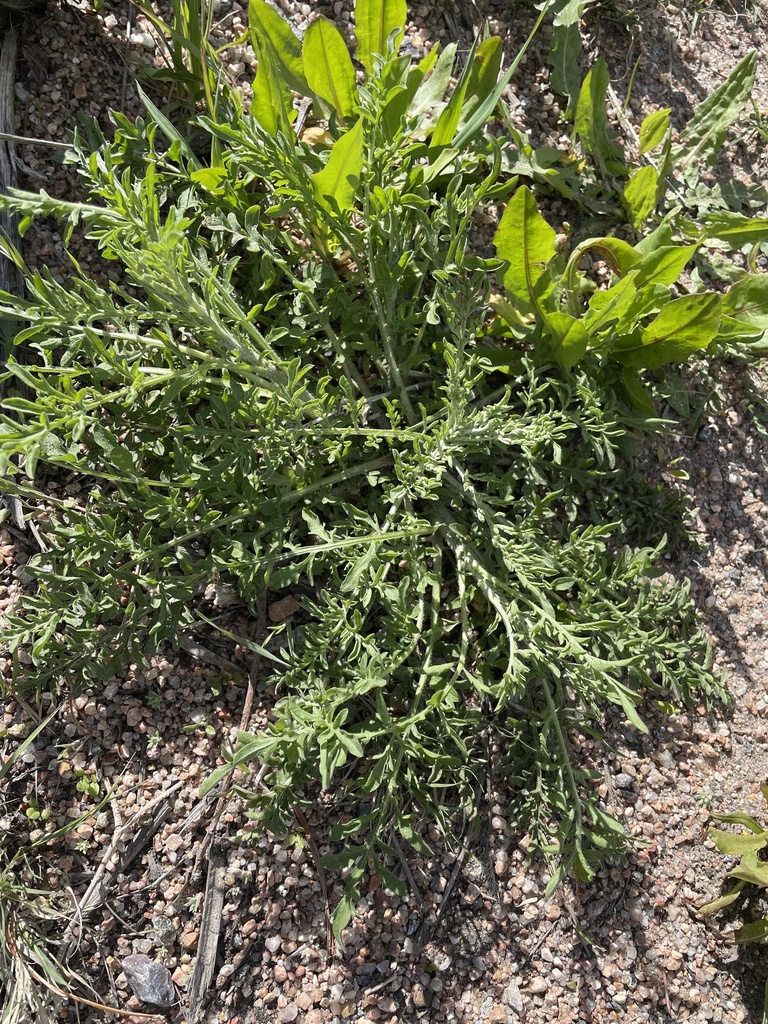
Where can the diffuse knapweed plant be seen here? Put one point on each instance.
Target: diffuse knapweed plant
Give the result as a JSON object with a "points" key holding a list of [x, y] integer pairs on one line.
{"points": [[299, 382]]}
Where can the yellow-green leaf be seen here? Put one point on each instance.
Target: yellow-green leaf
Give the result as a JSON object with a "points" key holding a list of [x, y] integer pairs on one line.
{"points": [[683, 326], [375, 20], [270, 32], [756, 931], [527, 242], [734, 844], [568, 339], [637, 392], [338, 181], [723, 901], [328, 67], [653, 129], [639, 196]]}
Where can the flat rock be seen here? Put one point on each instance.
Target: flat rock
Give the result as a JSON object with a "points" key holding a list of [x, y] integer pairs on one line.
{"points": [[149, 981]]}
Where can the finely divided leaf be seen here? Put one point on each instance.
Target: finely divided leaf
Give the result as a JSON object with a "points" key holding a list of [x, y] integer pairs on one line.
{"points": [[375, 20], [328, 66]]}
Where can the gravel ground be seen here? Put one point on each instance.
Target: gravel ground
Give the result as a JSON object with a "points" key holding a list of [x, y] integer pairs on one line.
{"points": [[630, 946]]}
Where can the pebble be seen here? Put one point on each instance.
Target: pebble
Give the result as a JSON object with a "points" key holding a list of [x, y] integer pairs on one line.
{"points": [[150, 982]]}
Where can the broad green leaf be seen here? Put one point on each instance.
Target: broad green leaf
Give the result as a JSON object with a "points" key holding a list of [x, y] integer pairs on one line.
{"points": [[653, 129], [638, 394], [426, 64], [735, 229], [210, 177], [737, 844], [375, 20], [723, 901], [270, 32], [619, 255], [747, 300], [590, 123], [271, 105], [665, 264], [484, 75], [732, 329], [564, 59], [328, 66], [639, 195], [751, 869], [661, 236], [340, 177], [683, 326], [432, 90], [342, 915], [527, 242], [569, 339], [755, 931], [448, 122], [705, 132], [608, 306], [566, 47], [391, 881]]}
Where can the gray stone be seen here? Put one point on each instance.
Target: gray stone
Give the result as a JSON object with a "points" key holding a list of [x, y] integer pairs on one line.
{"points": [[512, 996], [150, 982]]}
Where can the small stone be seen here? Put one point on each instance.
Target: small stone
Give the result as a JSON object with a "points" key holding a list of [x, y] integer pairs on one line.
{"points": [[512, 997], [419, 996], [80, 90], [715, 476], [273, 943], [623, 780], [538, 986], [164, 930], [498, 1015], [288, 1013], [150, 982], [280, 974]]}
